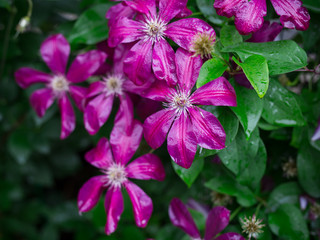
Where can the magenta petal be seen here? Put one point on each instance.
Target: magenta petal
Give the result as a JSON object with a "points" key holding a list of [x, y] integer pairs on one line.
{"points": [[125, 145], [181, 218], [89, 193], [85, 65], [114, 207], [138, 62], [188, 68], [207, 128], [147, 7], [185, 31], [218, 92], [95, 88], [100, 156], [168, 9], [120, 54], [125, 31], [55, 51], [41, 100], [146, 167], [230, 236], [163, 63], [124, 117], [228, 8], [159, 91], [182, 145], [141, 202], [28, 76], [78, 94], [249, 17], [68, 119], [292, 14], [267, 33], [316, 134], [184, 13], [119, 11], [156, 127], [97, 112], [218, 219]]}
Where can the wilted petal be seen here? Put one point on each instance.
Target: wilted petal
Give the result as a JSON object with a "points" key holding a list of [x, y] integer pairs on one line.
{"points": [[41, 100], [159, 91], [138, 62], [267, 33], [125, 145], [168, 9], [141, 203], [207, 129], [68, 119], [163, 63], [188, 68], [292, 14], [156, 127], [119, 11], [124, 31], [218, 219], [97, 112], [230, 236], [146, 167], [228, 8], [78, 94], [124, 117], [89, 193], [85, 65], [28, 76], [55, 51], [147, 7], [218, 92], [182, 145], [114, 207], [181, 218], [316, 134], [101, 155]]}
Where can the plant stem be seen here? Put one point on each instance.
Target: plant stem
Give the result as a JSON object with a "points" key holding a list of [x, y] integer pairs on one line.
{"points": [[235, 213], [258, 209]]}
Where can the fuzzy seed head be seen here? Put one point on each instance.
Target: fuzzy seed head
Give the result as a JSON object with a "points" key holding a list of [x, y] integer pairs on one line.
{"points": [[290, 169], [203, 45], [252, 226], [220, 199]]}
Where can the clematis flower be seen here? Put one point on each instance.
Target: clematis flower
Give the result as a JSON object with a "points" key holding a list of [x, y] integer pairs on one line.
{"points": [[186, 124], [55, 51], [111, 159], [217, 220], [149, 30], [249, 14]]}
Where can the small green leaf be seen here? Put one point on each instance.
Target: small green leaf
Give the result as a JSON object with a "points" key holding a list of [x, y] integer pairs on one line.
{"points": [[206, 7], [256, 70], [211, 70], [229, 36]]}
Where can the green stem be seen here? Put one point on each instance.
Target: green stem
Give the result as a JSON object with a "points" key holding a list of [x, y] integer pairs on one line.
{"points": [[196, 14], [235, 213], [30, 8], [258, 209]]}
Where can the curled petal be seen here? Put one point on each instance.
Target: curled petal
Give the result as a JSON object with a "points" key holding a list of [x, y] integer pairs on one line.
{"points": [[228, 8], [218, 92], [230, 236], [159, 91], [147, 7], [292, 14], [146, 167], [114, 207], [78, 94], [85, 65], [168, 9], [218, 219], [141, 202], [41, 100], [118, 11], [182, 145], [267, 33], [28, 76], [89, 193], [68, 119], [181, 218], [101, 155], [156, 127], [55, 52], [207, 129]]}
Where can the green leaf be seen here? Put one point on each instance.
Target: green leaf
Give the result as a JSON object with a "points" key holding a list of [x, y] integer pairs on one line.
{"points": [[5, 4], [91, 27], [312, 5], [256, 70], [308, 166], [191, 174], [285, 193], [281, 107], [288, 223], [19, 145], [206, 7], [229, 36], [248, 113], [210, 70], [282, 56]]}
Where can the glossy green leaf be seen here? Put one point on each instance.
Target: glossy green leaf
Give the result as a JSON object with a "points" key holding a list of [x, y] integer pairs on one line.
{"points": [[206, 7], [248, 113], [256, 70], [230, 36], [281, 107], [282, 56], [211, 70], [19, 145], [288, 223]]}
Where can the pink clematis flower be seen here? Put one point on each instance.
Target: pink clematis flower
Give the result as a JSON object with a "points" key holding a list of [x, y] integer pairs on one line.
{"points": [[249, 14], [217, 220], [149, 30], [55, 51], [111, 159], [186, 124]]}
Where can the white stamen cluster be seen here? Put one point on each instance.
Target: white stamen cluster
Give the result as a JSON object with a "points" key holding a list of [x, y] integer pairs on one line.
{"points": [[116, 175], [290, 169], [252, 226], [180, 102], [154, 29], [114, 84], [59, 84]]}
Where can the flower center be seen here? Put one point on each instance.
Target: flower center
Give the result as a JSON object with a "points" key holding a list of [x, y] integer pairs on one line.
{"points": [[154, 28], [114, 84], [59, 84], [203, 45], [180, 102], [116, 175]]}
